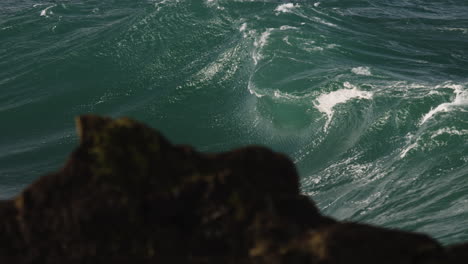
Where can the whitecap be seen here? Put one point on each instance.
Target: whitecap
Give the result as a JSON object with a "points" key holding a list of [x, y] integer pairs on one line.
{"points": [[461, 99], [450, 131], [259, 43], [326, 102], [44, 11], [282, 95], [286, 8], [221, 68], [253, 90], [263, 38], [463, 30], [286, 27], [161, 4], [410, 147], [321, 21], [362, 71], [243, 27]]}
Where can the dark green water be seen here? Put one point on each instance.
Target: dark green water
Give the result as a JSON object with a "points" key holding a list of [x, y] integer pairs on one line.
{"points": [[369, 98]]}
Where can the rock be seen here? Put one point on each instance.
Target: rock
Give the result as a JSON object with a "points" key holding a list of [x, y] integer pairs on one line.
{"points": [[458, 254], [126, 194], [127, 191], [359, 243]]}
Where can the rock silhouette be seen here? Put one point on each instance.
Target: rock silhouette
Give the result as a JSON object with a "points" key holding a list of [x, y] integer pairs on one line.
{"points": [[127, 195]]}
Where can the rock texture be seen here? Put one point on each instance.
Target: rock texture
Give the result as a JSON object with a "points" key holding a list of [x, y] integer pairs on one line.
{"points": [[127, 195]]}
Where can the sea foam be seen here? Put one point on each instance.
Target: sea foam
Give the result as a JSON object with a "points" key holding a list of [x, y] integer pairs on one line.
{"points": [[362, 71], [286, 8], [259, 44], [450, 131], [326, 102], [243, 27], [461, 99], [44, 11]]}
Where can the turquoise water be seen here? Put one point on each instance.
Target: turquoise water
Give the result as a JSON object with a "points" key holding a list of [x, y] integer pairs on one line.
{"points": [[368, 98]]}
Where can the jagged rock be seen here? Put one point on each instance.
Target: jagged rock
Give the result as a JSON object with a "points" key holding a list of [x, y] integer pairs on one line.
{"points": [[127, 191], [127, 194]]}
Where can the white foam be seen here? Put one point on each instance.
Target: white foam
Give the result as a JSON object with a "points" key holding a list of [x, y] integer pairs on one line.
{"points": [[326, 102], [222, 68], [369, 199], [310, 46], [316, 4], [434, 92], [321, 21], [281, 95], [461, 99], [286, 27], [450, 131], [286, 8], [263, 38], [162, 3], [44, 11], [252, 90], [259, 44], [441, 108], [410, 147], [362, 71], [463, 30], [317, 49], [276, 94], [243, 27]]}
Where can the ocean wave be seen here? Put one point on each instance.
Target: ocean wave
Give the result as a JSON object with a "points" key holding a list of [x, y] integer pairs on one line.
{"points": [[326, 102], [459, 102]]}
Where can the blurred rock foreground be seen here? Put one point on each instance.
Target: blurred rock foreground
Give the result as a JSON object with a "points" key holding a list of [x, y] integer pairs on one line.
{"points": [[127, 195]]}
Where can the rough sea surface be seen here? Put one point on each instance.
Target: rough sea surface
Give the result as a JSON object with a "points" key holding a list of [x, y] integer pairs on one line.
{"points": [[368, 98]]}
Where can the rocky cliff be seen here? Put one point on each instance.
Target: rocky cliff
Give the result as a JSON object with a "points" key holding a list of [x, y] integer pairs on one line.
{"points": [[127, 195]]}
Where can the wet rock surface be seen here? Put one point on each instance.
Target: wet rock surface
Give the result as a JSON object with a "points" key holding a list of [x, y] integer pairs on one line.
{"points": [[128, 195]]}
